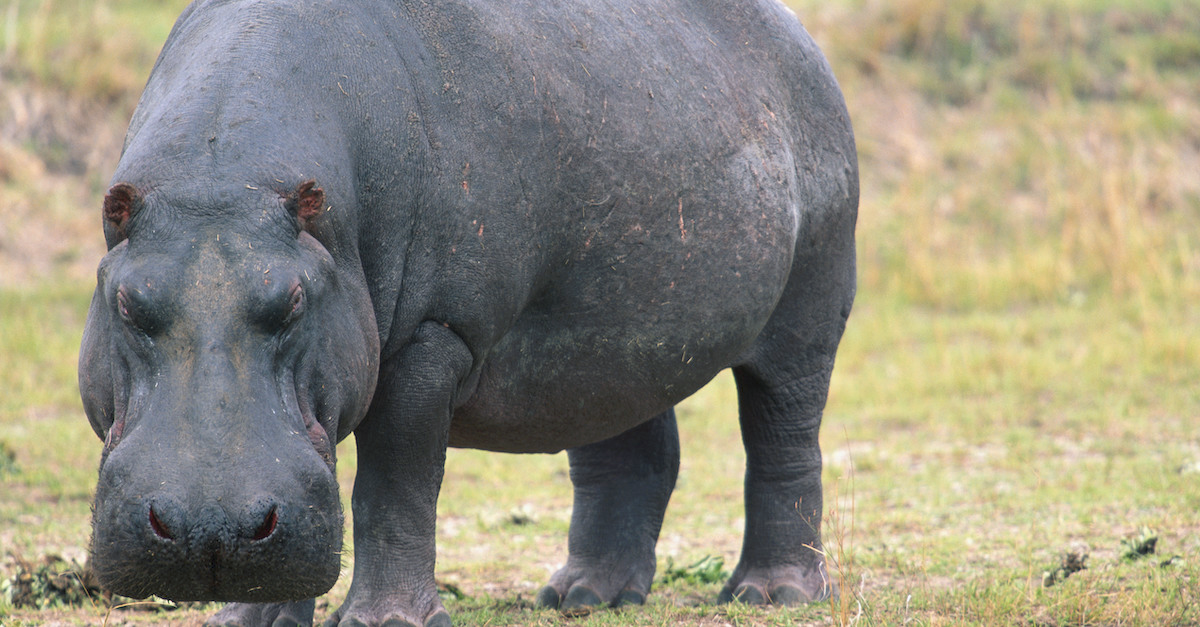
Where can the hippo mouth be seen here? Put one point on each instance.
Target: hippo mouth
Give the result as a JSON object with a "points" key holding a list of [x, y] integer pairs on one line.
{"points": [[217, 533], [210, 561]]}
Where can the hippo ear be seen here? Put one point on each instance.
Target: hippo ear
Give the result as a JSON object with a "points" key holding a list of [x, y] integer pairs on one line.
{"points": [[306, 203], [120, 203]]}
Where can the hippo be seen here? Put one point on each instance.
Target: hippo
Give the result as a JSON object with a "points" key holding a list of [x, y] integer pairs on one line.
{"points": [[524, 226]]}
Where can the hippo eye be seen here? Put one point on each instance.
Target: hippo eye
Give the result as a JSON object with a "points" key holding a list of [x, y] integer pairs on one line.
{"points": [[123, 305], [295, 303], [137, 312]]}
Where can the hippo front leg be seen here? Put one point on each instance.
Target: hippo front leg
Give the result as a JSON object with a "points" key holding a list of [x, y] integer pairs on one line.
{"points": [[401, 457]]}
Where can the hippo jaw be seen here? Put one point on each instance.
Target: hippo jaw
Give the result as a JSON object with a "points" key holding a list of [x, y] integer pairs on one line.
{"points": [[219, 369]]}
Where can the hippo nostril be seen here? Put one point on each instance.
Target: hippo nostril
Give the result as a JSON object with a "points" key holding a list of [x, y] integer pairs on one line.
{"points": [[159, 528], [268, 526]]}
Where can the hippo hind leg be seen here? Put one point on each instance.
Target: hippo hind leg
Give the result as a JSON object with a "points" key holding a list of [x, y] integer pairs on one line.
{"points": [[782, 387], [622, 486], [295, 614]]}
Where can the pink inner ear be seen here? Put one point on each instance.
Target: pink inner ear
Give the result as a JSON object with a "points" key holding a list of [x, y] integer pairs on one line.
{"points": [[118, 203], [310, 201]]}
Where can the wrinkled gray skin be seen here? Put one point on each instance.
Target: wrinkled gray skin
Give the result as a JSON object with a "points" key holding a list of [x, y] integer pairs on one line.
{"points": [[536, 225]]}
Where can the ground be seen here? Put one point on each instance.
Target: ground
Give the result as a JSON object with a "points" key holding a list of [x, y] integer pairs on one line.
{"points": [[1016, 392]]}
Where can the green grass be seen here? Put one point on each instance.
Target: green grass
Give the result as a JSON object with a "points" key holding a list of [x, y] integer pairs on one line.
{"points": [[1018, 379]]}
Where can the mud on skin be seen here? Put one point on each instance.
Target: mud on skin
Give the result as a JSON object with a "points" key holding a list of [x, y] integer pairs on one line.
{"points": [[522, 227]]}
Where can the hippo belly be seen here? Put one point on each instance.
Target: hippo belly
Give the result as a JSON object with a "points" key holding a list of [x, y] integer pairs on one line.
{"points": [[577, 367]]}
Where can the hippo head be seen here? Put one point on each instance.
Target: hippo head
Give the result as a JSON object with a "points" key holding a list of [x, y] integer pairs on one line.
{"points": [[221, 361]]}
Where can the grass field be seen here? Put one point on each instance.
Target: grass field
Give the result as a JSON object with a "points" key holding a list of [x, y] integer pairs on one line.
{"points": [[1017, 393]]}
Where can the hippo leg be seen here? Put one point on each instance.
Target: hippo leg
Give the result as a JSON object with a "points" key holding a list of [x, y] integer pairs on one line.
{"points": [[401, 456], [782, 387], [622, 486], [297, 614]]}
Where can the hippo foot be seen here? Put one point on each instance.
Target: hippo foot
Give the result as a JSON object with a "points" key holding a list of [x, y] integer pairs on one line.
{"points": [[295, 614], [780, 585], [350, 616], [571, 589], [437, 620], [580, 596]]}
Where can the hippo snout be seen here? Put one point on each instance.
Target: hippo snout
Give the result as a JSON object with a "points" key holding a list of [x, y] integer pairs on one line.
{"points": [[251, 537]]}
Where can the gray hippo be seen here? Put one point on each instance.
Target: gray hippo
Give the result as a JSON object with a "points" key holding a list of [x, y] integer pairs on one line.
{"points": [[520, 225]]}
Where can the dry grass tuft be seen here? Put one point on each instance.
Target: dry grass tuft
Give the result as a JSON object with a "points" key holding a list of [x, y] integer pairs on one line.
{"points": [[1022, 152]]}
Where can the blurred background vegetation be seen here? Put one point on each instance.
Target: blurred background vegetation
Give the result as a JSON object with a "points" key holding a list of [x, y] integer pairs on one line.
{"points": [[1021, 373], [1028, 151]]}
